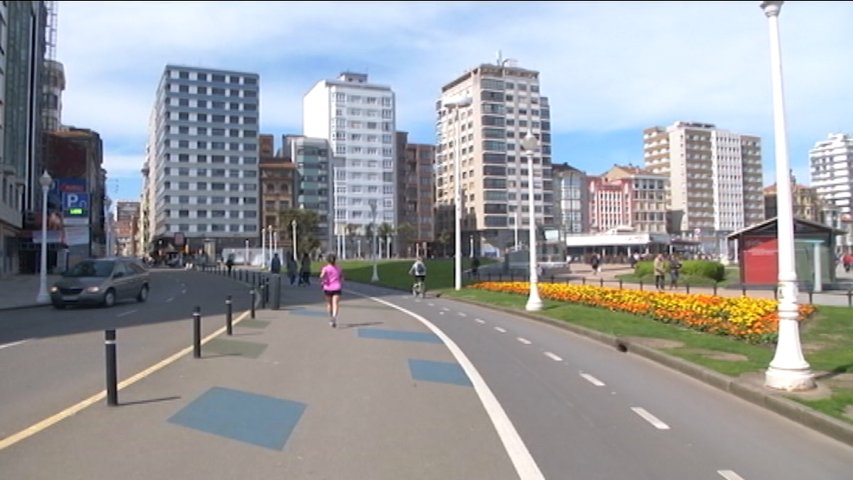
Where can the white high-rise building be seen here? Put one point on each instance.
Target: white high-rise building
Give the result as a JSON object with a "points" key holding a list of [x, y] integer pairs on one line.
{"points": [[358, 119], [831, 171], [202, 160], [715, 177]]}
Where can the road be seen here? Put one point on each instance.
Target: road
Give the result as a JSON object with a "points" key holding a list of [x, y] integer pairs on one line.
{"points": [[580, 409]]}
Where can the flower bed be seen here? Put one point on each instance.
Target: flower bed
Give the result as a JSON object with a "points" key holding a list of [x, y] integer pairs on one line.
{"points": [[754, 320]]}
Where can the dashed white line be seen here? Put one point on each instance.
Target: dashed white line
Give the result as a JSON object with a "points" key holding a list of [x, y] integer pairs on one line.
{"points": [[553, 357], [589, 378], [502, 330], [445, 309], [124, 314], [431, 304], [650, 418], [524, 340], [480, 321], [170, 299], [441, 313], [729, 475], [463, 314], [12, 344]]}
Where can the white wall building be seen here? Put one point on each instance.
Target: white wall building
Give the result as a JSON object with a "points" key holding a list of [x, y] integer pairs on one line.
{"points": [[203, 158], [358, 119], [831, 171]]}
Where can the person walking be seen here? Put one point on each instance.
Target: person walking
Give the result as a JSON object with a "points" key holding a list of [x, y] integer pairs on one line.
{"points": [[275, 264], [595, 263], [332, 281], [305, 270], [292, 268], [660, 272], [674, 271]]}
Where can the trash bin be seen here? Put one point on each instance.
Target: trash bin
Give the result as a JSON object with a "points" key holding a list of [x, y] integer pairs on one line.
{"points": [[275, 287]]}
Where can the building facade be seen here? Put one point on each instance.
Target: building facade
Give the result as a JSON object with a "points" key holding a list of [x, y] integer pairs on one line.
{"points": [[831, 169], [628, 199], [203, 160], [571, 198], [126, 219], [715, 179], [277, 185], [415, 197], [314, 176], [357, 119], [506, 103]]}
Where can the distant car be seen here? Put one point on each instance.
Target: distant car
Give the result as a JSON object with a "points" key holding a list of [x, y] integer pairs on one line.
{"points": [[101, 281]]}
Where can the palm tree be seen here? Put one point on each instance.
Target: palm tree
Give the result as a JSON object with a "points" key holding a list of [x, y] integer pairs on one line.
{"points": [[404, 237], [385, 231]]}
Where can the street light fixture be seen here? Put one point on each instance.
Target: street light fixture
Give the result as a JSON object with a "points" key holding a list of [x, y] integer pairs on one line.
{"points": [[375, 247], [530, 143], [788, 370], [295, 254], [455, 104], [45, 180]]}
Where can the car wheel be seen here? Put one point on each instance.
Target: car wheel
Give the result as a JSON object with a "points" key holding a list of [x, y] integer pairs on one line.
{"points": [[110, 298], [143, 294]]}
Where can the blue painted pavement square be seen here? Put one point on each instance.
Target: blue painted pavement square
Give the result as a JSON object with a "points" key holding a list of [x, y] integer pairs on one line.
{"points": [[442, 372], [398, 335], [246, 417]]}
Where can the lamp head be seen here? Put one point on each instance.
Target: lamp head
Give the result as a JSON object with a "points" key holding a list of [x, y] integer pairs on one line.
{"points": [[45, 180], [529, 142]]}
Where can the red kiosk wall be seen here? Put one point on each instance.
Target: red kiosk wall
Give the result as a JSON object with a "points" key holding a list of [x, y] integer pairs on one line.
{"points": [[761, 261]]}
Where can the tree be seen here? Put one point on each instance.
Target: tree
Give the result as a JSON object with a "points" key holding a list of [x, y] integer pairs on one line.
{"points": [[306, 229], [444, 239], [404, 237]]}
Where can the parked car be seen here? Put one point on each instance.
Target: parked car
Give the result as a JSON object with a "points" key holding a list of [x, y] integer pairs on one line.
{"points": [[101, 281]]}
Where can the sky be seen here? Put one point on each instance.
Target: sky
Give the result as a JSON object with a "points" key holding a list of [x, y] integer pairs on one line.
{"points": [[610, 69]]}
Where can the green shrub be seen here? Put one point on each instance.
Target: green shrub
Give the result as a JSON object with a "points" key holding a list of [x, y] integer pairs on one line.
{"points": [[693, 268]]}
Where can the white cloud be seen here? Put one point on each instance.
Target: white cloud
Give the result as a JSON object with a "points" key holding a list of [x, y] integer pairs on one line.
{"points": [[606, 66]]}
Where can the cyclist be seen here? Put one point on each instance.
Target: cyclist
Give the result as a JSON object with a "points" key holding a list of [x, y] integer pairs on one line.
{"points": [[419, 270]]}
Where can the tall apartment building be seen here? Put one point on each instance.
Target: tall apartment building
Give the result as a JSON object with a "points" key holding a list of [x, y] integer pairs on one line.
{"points": [[315, 170], [715, 178], [506, 104], [571, 198], [357, 118], [127, 215], [831, 169], [202, 159], [627, 198], [415, 196]]}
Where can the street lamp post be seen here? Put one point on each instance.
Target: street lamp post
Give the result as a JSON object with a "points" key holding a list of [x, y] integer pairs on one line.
{"points": [[45, 180], [534, 303], [269, 240], [788, 370], [263, 247], [246, 253], [293, 224], [375, 247], [455, 105]]}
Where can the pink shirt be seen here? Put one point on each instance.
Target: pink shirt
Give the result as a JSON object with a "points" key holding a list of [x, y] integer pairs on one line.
{"points": [[332, 278]]}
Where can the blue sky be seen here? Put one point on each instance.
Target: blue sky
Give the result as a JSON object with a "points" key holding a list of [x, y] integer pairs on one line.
{"points": [[610, 69]]}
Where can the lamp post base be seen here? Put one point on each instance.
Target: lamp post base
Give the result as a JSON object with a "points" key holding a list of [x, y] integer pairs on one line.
{"points": [[42, 297], [789, 379], [375, 277], [534, 303]]}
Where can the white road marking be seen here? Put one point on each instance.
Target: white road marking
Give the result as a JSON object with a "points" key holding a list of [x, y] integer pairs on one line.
{"points": [[441, 313], [445, 309], [12, 344], [650, 418], [462, 314], [589, 378], [553, 357], [729, 475], [124, 314], [184, 291], [480, 321], [522, 460], [431, 304], [524, 341], [502, 330], [170, 299]]}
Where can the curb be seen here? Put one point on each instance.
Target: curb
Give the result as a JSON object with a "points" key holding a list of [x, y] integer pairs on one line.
{"points": [[797, 412], [24, 307]]}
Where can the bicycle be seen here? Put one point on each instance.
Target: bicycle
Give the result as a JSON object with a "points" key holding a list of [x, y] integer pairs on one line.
{"points": [[419, 288]]}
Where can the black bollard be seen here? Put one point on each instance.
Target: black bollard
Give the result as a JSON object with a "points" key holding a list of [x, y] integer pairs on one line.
{"points": [[850, 297], [112, 371], [811, 294], [252, 295], [229, 329], [620, 284], [197, 332], [263, 296], [583, 280], [601, 282]]}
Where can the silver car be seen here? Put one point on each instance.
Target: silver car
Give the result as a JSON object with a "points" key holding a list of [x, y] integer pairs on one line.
{"points": [[101, 281]]}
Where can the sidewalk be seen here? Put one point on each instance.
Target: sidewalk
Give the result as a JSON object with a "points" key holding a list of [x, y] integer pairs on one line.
{"points": [[286, 396]]}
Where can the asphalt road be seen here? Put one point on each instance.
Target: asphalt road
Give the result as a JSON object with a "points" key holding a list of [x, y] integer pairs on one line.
{"points": [[588, 411], [51, 359]]}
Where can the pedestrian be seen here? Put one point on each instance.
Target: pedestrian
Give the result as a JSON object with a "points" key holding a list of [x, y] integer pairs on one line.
{"points": [[475, 266], [275, 264], [674, 271], [229, 263], [292, 268], [332, 281], [595, 263], [660, 272], [305, 270]]}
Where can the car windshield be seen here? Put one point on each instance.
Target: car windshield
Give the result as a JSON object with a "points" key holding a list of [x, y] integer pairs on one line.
{"points": [[98, 268]]}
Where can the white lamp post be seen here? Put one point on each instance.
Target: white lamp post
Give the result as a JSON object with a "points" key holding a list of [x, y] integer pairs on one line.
{"points": [[45, 180], [246, 253], [263, 247], [455, 105], [274, 243], [788, 370], [293, 224], [534, 303], [269, 239], [375, 247]]}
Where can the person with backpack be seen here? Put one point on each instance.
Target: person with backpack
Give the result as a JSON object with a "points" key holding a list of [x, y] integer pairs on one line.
{"points": [[419, 270]]}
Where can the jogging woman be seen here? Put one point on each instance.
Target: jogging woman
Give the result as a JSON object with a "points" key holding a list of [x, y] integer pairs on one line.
{"points": [[332, 280]]}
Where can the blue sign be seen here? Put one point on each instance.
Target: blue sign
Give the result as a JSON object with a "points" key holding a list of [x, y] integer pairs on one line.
{"points": [[75, 204]]}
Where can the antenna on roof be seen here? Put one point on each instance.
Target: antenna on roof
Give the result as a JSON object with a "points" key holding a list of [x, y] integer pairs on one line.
{"points": [[500, 59]]}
